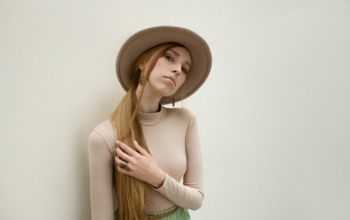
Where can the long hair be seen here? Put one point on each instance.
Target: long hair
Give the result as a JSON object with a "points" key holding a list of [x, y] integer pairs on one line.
{"points": [[131, 192]]}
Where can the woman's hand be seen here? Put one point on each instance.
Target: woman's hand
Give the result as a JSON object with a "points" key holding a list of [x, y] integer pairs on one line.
{"points": [[140, 164]]}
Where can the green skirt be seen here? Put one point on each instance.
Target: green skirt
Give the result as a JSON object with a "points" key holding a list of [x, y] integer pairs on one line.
{"points": [[180, 214]]}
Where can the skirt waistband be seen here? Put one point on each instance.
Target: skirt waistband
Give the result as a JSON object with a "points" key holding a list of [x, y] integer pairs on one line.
{"points": [[172, 213]]}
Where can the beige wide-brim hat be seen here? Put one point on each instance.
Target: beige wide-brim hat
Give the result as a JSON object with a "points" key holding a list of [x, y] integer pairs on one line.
{"points": [[143, 40]]}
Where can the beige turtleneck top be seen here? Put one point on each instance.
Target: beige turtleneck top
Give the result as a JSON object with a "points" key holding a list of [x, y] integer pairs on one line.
{"points": [[172, 138]]}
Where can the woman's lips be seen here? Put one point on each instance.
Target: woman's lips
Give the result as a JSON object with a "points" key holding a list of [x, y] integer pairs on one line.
{"points": [[170, 79]]}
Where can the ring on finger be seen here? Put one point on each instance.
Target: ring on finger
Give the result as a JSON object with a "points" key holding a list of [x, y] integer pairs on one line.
{"points": [[124, 165]]}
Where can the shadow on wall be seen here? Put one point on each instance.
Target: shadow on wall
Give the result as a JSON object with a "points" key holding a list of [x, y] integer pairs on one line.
{"points": [[82, 185], [98, 113]]}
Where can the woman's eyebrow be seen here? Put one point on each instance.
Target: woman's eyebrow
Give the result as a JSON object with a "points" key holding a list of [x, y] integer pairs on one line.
{"points": [[177, 54]]}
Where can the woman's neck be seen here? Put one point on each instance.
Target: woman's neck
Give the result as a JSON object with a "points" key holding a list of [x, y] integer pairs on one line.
{"points": [[149, 102]]}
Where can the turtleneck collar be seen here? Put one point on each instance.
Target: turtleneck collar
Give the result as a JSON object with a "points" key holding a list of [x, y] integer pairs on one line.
{"points": [[152, 118]]}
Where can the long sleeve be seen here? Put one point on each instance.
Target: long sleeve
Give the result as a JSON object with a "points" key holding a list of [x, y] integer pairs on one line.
{"points": [[172, 138], [101, 178], [190, 194]]}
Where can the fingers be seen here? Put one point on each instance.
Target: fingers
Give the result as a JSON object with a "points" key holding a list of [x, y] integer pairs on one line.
{"points": [[140, 149], [124, 171], [120, 161], [122, 155], [125, 153], [129, 155], [123, 166], [126, 148], [130, 151]]}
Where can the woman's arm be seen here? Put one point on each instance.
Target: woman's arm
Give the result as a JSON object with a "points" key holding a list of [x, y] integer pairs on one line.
{"points": [[190, 194], [101, 178]]}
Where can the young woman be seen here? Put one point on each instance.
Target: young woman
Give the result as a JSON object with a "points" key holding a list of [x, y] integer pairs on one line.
{"points": [[139, 156]]}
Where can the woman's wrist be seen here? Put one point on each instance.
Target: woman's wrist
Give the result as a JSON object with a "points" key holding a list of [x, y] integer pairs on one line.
{"points": [[159, 180]]}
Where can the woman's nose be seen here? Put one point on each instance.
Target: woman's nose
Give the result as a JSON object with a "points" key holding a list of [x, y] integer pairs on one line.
{"points": [[177, 69]]}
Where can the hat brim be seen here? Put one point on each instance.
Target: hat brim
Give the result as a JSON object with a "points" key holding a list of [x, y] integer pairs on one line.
{"points": [[143, 40]]}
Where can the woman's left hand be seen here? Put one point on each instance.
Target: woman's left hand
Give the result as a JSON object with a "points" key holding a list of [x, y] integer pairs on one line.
{"points": [[140, 164]]}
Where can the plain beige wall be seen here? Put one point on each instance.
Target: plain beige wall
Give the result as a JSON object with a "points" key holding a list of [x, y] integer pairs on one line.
{"points": [[274, 114]]}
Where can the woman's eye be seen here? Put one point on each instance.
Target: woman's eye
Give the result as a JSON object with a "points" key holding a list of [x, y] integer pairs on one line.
{"points": [[184, 70], [169, 58]]}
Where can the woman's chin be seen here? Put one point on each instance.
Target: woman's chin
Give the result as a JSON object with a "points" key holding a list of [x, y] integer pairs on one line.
{"points": [[166, 91]]}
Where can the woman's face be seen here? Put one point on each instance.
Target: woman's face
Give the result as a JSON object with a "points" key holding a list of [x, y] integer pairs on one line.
{"points": [[170, 71]]}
